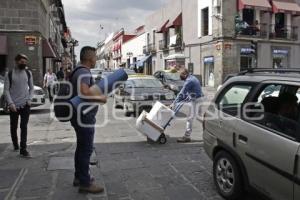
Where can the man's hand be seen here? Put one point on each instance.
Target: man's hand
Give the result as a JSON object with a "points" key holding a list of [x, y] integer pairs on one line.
{"points": [[12, 108], [28, 103], [171, 106]]}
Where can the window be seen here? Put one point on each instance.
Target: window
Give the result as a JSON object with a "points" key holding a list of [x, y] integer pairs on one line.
{"points": [[246, 62], [205, 21], [231, 101], [280, 113], [248, 16]]}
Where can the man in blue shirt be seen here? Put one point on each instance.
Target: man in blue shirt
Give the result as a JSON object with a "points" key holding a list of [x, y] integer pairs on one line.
{"points": [[192, 93], [84, 125]]}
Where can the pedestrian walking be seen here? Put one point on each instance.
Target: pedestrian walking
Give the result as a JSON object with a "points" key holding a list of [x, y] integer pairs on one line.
{"points": [[84, 125], [49, 80], [60, 74], [193, 92], [18, 90]]}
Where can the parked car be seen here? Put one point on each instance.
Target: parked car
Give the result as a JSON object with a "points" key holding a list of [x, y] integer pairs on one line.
{"points": [[140, 92], [251, 131], [37, 100], [170, 79]]}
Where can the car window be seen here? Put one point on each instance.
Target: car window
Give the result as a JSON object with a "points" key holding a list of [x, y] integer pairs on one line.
{"points": [[280, 112], [235, 95], [230, 102], [172, 76], [144, 83], [272, 90]]}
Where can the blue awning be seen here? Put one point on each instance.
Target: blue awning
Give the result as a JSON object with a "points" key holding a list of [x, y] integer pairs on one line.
{"points": [[140, 63]]}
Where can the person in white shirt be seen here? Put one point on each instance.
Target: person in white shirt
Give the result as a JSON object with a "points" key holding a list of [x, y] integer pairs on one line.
{"points": [[49, 80]]}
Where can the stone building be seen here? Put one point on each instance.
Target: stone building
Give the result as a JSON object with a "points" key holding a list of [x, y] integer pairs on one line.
{"points": [[36, 28]]}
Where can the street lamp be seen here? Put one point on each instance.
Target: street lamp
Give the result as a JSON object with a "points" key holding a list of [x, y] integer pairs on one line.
{"points": [[74, 43]]}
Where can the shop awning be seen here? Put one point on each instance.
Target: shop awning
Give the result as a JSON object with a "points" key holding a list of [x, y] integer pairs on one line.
{"points": [[141, 62], [285, 6], [3, 45], [262, 4], [163, 27], [48, 51], [176, 22]]}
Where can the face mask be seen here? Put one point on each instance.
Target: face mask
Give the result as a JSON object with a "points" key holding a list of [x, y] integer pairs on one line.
{"points": [[22, 66], [182, 78]]}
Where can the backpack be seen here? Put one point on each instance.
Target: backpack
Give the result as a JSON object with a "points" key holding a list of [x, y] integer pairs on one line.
{"points": [[63, 109], [10, 77]]}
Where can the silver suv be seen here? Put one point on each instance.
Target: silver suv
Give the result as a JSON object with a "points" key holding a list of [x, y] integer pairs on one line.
{"points": [[252, 134]]}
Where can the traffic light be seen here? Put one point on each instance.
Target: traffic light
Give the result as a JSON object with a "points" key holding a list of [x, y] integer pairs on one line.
{"points": [[254, 46]]}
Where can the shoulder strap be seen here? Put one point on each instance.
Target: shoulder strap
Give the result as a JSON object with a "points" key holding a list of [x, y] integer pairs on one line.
{"points": [[10, 78], [74, 71], [28, 76]]}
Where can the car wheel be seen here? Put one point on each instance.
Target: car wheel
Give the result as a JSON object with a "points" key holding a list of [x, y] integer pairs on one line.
{"points": [[227, 176]]}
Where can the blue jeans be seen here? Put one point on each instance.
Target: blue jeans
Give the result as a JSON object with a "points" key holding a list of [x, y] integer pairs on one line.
{"points": [[84, 150]]}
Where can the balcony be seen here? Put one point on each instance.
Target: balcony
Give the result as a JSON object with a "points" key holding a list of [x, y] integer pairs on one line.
{"points": [[283, 32], [163, 45], [258, 31], [150, 48], [176, 42]]}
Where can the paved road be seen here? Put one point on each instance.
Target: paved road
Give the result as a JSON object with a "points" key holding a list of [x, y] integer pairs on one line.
{"points": [[128, 167]]}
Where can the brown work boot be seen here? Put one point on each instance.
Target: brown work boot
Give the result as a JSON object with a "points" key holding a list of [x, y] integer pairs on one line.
{"points": [[184, 139], [93, 189], [76, 181]]}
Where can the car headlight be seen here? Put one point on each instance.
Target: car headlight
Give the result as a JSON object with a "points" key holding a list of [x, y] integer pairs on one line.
{"points": [[170, 96], [173, 87], [137, 98]]}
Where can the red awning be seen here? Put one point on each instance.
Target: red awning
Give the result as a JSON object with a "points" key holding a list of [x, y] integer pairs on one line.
{"points": [[3, 45], [48, 51], [176, 22], [262, 4], [289, 6], [163, 27]]}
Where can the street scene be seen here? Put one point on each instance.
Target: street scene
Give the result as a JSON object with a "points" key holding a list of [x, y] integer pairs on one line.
{"points": [[134, 100]]}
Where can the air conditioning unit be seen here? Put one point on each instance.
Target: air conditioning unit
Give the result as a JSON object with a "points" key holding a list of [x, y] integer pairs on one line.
{"points": [[217, 3]]}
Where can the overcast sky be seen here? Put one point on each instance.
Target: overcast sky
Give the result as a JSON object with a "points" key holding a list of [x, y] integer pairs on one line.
{"points": [[84, 17]]}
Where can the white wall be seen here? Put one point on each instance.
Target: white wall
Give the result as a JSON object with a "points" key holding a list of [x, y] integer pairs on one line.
{"points": [[134, 46], [201, 5]]}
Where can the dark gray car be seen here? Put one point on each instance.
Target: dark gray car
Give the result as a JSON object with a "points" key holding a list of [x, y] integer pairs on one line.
{"points": [[170, 80], [140, 92]]}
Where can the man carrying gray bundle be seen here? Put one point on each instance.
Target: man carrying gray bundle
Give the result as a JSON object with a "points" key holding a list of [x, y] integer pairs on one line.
{"points": [[18, 90]]}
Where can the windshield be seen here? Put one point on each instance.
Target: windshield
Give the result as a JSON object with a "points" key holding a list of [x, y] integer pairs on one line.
{"points": [[95, 71], [143, 83], [172, 76]]}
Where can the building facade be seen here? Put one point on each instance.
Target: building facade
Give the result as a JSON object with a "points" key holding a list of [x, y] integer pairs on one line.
{"points": [[133, 49], [216, 37], [36, 28]]}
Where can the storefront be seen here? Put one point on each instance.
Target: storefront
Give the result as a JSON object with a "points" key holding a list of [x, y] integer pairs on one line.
{"points": [[175, 61], [209, 76], [280, 58], [247, 58]]}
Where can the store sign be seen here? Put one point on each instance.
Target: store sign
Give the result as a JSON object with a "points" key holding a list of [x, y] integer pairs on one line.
{"points": [[280, 51], [247, 51], [31, 40], [209, 59]]}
